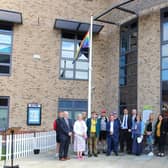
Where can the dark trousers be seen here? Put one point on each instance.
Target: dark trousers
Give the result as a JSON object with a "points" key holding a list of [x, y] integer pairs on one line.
{"points": [[161, 143], [125, 138], [112, 144], [64, 146]]}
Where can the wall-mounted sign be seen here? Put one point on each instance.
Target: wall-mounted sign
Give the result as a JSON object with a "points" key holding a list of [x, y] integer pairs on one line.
{"points": [[147, 110], [34, 114]]}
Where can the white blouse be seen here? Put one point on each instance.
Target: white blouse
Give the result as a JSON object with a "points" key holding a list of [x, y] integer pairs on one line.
{"points": [[80, 127]]}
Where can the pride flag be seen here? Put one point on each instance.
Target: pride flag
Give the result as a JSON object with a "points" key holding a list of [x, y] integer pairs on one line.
{"points": [[83, 48]]}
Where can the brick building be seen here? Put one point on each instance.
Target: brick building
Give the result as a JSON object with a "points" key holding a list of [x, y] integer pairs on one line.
{"points": [[38, 40]]}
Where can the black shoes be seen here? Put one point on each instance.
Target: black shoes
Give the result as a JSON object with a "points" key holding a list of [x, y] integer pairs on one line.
{"points": [[95, 155]]}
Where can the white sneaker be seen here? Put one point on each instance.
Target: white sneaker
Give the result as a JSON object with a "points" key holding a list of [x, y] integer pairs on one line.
{"points": [[56, 155], [150, 154]]}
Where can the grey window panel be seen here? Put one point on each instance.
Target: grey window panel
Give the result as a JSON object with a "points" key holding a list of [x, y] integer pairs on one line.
{"points": [[10, 16], [75, 26]]}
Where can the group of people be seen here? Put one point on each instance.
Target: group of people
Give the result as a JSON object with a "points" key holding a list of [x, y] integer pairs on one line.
{"points": [[108, 134]]}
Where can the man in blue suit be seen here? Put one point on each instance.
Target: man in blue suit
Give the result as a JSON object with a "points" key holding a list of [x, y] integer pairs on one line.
{"points": [[113, 127], [65, 133]]}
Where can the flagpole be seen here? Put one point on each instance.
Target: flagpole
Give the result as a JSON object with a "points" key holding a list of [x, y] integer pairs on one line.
{"points": [[90, 70]]}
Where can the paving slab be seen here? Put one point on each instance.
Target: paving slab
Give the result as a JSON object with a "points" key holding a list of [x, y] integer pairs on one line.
{"points": [[48, 160]]}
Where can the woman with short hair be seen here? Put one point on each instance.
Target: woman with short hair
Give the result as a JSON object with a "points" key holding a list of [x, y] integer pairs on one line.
{"points": [[80, 135]]}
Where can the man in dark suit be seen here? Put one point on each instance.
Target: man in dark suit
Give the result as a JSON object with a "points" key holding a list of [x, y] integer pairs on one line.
{"points": [[113, 128], [58, 120], [65, 133], [125, 132]]}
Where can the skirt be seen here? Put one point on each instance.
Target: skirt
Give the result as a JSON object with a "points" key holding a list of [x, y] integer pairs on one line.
{"points": [[79, 143]]}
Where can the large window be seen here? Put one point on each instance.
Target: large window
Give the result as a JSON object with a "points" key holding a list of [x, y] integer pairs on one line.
{"points": [[164, 60], [4, 110], [5, 48], [73, 106], [128, 66], [68, 70]]}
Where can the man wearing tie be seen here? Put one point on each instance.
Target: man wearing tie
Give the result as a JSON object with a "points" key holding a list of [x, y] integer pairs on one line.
{"points": [[65, 133], [125, 133], [113, 127]]}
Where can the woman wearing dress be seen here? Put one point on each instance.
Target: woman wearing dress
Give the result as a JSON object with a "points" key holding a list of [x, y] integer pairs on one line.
{"points": [[80, 135]]}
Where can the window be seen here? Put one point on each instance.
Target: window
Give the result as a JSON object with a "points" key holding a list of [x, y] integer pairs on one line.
{"points": [[73, 106], [68, 70], [4, 110], [164, 61], [128, 66], [5, 48]]}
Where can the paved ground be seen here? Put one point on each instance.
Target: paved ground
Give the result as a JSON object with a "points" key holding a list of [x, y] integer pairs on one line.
{"points": [[48, 160]]}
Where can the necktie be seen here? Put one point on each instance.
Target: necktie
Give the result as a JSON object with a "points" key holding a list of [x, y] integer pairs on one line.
{"points": [[125, 121]]}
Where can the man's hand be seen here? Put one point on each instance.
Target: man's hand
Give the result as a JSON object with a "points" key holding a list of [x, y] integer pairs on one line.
{"points": [[70, 133]]}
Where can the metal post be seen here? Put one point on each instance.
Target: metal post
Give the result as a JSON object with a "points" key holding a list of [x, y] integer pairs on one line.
{"points": [[90, 70]]}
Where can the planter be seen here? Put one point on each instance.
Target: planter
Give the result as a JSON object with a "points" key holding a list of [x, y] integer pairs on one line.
{"points": [[15, 166], [36, 151]]}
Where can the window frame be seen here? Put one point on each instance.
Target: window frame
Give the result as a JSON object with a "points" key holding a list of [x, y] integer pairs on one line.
{"points": [[8, 109], [72, 109], [7, 32], [129, 31], [74, 69], [162, 42]]}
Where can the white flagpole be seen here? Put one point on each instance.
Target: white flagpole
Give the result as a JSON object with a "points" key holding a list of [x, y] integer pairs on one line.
{"points": [[90, 70]]}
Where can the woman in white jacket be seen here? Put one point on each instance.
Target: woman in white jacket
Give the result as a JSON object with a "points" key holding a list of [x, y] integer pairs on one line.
{"points": [[80, 135]]}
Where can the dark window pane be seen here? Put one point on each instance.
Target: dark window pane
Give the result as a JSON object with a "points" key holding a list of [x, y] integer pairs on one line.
{"points": [[65, 104], [68, 35], [80, 104], [134, 25], [165, 14], [4, 58], [3, 102], [133, 40], [4, 69], [6, 26], [124, 44]]}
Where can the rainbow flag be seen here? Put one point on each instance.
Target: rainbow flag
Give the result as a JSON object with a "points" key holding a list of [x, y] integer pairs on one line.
{"points": [[84, 47]]}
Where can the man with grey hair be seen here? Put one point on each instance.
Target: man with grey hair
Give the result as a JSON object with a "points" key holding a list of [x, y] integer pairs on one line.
{"points": [[66, 129]]}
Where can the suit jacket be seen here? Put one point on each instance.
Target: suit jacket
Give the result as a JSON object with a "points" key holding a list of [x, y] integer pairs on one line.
{"points": [[88, 123], [64, 129], [116, 129], [129, 121]]}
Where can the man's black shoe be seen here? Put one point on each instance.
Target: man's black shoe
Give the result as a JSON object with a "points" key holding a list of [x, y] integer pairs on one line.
{"points": [[116, 153]]}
